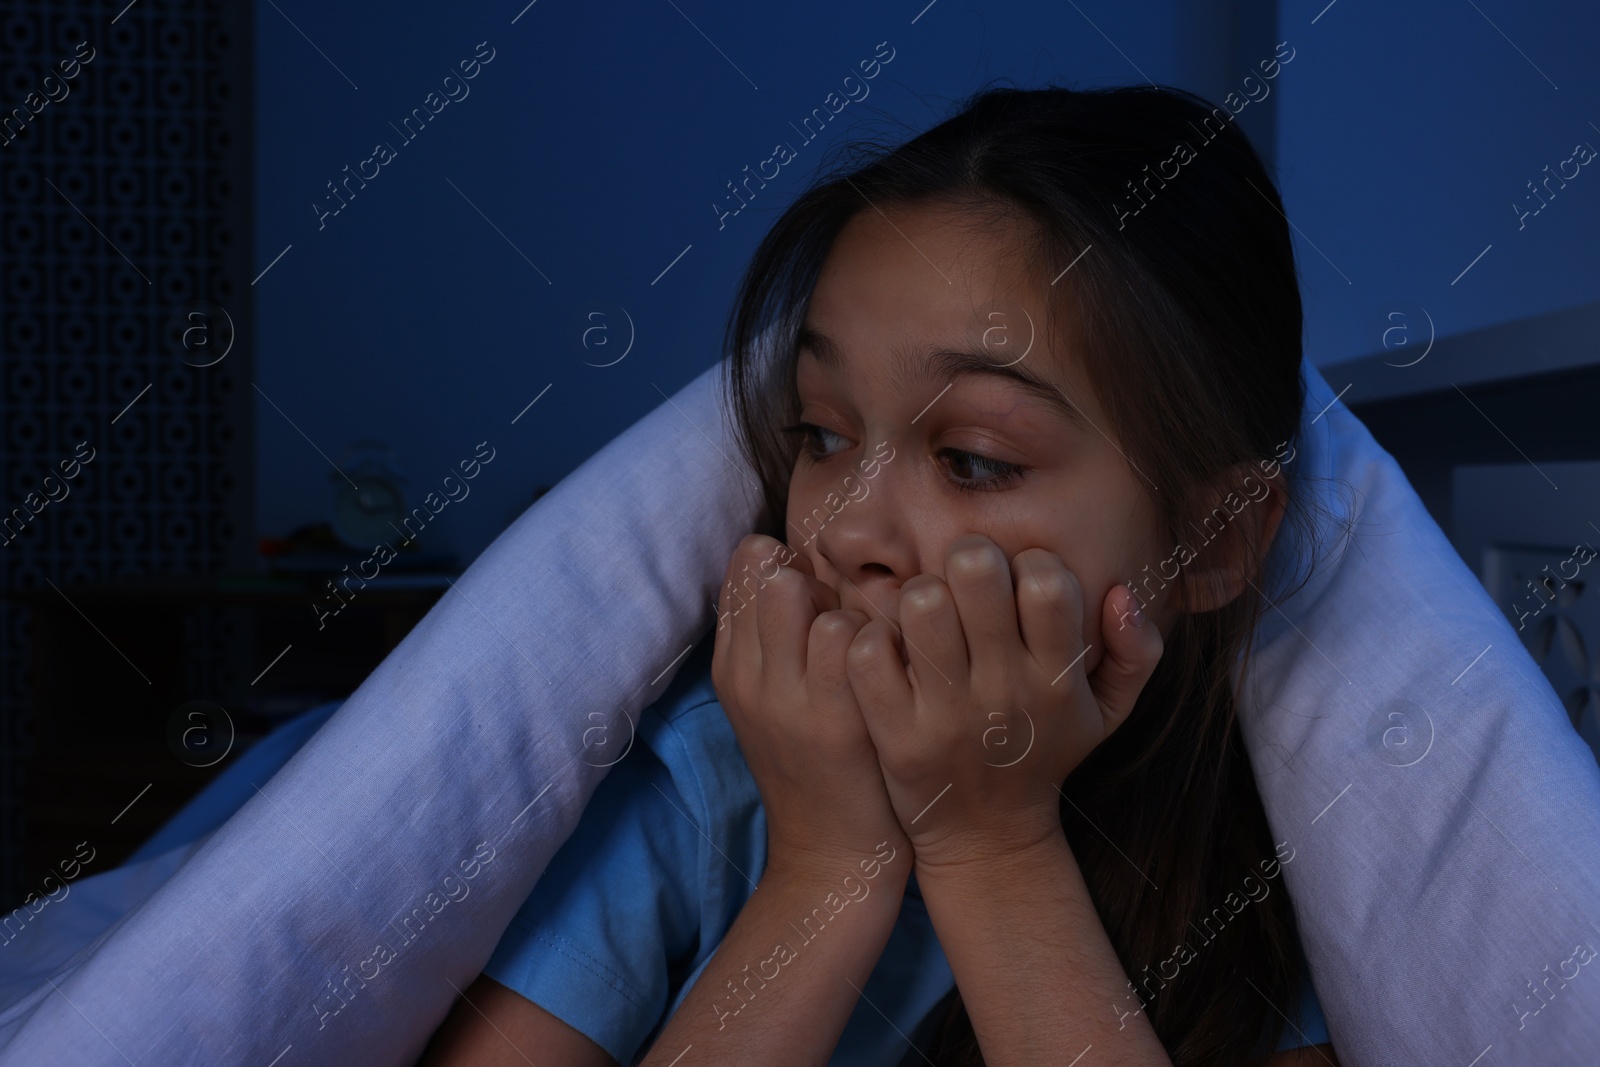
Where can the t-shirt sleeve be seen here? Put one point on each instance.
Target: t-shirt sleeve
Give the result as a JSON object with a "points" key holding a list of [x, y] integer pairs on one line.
{"points": [[1309, 1028], [598, 940]]}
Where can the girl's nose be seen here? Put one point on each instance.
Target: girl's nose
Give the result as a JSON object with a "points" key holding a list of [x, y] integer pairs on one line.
{"points": [[871, 546]]}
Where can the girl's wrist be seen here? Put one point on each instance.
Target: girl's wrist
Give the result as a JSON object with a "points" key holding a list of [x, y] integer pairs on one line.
{"points": [[887, 865], [985, 864]]}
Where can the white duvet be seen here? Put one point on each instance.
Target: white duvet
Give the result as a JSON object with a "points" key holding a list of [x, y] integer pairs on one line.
{"points": [[1443, 815]]}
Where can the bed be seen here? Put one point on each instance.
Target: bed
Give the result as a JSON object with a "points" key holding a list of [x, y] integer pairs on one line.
{"points": [[1445, 815]]}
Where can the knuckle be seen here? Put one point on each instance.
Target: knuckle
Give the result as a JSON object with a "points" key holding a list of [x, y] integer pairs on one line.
{"points": [[971, 556], [785, 584], [1072, 590], [867, 642], [754, 550], [923, 600], [756, 544], [924, 593], [837, 627], [1046, 577], [1038, 560], [1053, 585]]}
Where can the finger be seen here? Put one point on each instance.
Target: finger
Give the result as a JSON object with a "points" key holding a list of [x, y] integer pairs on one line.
{"points": [[724, 621], [936, 648], [744, 581], [736, 654], [1049, 609], [878, 679], [722, 646], [980, 580], [784, 612], [726, 601], [799, 561], [830, 637], [743, 574], [1132, 652], [823, 596]]}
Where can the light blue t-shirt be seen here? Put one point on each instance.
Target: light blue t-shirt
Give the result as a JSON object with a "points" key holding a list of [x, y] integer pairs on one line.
{"points": [[666, 853], [1306, 1026], [668, 850]]}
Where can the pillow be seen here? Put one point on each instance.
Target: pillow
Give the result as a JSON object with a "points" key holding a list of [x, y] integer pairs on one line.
{"points": [[1442, 814], [68, 927], [339, 911]]}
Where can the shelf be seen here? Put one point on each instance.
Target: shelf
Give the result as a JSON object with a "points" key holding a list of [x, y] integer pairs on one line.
{"points": [[1555, 342]]}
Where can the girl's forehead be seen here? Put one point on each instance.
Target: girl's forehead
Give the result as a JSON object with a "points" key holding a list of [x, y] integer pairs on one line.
{"points": [[913, 293], [928, 274], [954, 256]]}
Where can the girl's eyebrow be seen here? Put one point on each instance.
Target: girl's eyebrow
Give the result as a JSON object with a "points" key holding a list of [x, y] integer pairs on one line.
{"points": [[936, 363]]}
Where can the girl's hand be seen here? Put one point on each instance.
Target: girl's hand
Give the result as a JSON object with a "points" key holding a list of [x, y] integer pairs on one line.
{"points": [[779, 670], [977, 732]]}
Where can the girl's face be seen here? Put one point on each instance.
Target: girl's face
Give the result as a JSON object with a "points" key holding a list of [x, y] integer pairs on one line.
{"points": [[924, 433]]}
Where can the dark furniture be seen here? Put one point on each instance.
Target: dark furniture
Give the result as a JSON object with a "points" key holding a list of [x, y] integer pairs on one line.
{"points": [[137, 685]]}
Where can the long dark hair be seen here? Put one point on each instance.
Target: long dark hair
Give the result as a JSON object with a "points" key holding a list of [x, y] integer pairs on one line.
{"points": [[1184, 304]]}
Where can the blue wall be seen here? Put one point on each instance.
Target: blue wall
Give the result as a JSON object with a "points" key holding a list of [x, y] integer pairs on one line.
{"points": [[1406, 133], [594, 143]]}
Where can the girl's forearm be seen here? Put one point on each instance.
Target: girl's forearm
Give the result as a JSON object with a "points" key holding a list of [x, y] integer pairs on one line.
{"points": [[783, 982], [1037, 972]]}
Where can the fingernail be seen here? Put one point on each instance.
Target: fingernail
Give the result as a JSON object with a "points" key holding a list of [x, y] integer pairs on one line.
{"points": [[1138, 610]]}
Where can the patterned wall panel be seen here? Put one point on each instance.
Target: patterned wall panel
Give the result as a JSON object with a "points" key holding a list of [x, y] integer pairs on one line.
{"points": [[1549, 596], [125, 326]]}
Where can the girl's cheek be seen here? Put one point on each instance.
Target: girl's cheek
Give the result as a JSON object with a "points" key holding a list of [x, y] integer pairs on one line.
{"points": [[804, 496]]}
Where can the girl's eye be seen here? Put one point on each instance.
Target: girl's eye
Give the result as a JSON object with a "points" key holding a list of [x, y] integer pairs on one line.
{"points": [[812, 435], [975, 473], [970, 471]]}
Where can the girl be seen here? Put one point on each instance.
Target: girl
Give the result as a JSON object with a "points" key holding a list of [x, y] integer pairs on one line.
{"points": [[959, 778]]}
